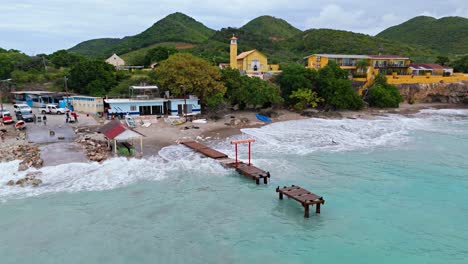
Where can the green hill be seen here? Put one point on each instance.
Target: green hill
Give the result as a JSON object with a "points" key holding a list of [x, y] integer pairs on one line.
{"points": [[266, 34], [271, 28], [176, 27], [345, 42], [447, 35]]}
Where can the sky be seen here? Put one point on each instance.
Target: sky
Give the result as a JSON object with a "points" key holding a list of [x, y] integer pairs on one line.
{"points": [[45, 26]]}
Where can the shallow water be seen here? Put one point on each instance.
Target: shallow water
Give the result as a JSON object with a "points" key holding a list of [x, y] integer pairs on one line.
{"points": [[395, 191]]}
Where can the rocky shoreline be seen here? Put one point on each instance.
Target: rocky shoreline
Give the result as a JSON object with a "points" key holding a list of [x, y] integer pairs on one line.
{"points": [[29, 154], [94, 144]]}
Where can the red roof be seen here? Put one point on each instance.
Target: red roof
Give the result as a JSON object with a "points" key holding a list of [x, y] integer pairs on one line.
{"points": [[431, 66], [112, 129]]}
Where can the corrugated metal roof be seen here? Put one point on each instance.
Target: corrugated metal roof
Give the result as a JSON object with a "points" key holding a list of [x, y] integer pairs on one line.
{"points": [[245, 54], [429, 66], [388, 57], [343, 56], [112, 129]]}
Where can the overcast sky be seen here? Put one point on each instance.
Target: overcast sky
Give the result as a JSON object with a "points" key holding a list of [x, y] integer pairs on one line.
{"points": [[44, 26]]}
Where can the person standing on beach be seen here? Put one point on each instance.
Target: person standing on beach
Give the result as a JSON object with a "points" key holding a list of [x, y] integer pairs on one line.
{"points": [[75, 116], [34, 118], [67, 118], [44, 118]]}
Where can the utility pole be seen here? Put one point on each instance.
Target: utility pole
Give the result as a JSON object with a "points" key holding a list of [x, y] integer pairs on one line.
{"points": [[65, 79], [43, 62]]}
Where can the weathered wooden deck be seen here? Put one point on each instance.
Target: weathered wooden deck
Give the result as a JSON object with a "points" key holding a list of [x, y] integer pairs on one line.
{"points": [[303, 196], [250, 171]]}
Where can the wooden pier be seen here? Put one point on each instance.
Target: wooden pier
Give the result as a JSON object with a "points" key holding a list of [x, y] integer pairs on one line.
{"points": [[245, 169], [303, 196]]}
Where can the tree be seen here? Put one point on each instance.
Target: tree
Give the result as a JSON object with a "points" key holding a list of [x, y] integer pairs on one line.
{"points": [[362, 65], [63, 58], [184, 74], [6, 66], [461, 65], [295, 77], [246, 91], [336, 89], [92, 77], [158, 54], [382, 94], [442, 60], [305, 98]]}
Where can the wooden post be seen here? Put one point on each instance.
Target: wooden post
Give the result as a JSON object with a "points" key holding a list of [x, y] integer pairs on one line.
{"points": [[265, 180], [115, 147], [317, 209], [236, 156], [141, 147], [257, 181], [306, 211], [281, 196], [249, 153]]}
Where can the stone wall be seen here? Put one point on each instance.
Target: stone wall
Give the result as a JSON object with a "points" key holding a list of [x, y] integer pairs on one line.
{"points": [[435, 92]]}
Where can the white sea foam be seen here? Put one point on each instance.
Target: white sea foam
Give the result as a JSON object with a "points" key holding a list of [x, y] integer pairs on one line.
{"points": [[299, 137], [306, 136], [113, 173]]}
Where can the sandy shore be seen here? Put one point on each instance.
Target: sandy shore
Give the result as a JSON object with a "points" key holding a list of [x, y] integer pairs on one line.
{"points": [[163, 134]]}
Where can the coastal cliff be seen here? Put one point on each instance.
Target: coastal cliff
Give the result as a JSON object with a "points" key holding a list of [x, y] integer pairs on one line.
{"points": [[435, 92]]}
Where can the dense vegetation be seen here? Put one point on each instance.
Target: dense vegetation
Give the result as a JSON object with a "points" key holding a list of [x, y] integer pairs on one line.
{"points": [[460, 64], [447, 35], [280, 41], [176, 27], [383, 95]]}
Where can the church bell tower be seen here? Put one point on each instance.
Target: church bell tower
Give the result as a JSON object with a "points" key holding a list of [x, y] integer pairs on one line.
{"points": [[233, 53]]}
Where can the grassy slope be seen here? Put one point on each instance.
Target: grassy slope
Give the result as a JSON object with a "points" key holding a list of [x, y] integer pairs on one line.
{"points": [[448, 35], [176, 27]]}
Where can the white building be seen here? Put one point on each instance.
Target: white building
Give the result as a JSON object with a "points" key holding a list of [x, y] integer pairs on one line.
{"points": [[115, 60]]}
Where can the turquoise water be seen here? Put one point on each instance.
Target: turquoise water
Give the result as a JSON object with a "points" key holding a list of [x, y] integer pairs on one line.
{"points": [[395, 191]]}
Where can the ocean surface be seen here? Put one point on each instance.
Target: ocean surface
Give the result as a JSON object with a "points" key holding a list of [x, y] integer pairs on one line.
{"points": [[396, 191]]}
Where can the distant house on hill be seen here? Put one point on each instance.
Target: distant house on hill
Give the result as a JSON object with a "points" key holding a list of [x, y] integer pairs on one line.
{"points": [[115, 60]]}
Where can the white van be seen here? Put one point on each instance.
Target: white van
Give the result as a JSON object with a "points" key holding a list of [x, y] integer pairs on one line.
{"points": [[22, 108]]}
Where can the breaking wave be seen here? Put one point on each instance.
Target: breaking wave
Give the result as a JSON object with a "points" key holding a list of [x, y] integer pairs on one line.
{"points": [[299, 137], [113, 173]]}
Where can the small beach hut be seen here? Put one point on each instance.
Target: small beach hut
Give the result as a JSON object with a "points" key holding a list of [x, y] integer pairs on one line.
{"points": [[114, 130]]}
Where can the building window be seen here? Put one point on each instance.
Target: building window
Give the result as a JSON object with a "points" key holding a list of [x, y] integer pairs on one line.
{"points": [[133, 108]]}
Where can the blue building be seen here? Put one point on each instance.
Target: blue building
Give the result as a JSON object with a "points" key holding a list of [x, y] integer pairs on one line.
{"points": [[176, 106], [39, 98], [158, 106]]}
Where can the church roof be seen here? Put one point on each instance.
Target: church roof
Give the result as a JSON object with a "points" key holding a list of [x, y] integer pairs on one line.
{"points": [[245, 54]]}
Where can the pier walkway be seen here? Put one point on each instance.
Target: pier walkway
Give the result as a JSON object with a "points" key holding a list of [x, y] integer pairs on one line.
{"points": [[303, 196], [247, 170]]}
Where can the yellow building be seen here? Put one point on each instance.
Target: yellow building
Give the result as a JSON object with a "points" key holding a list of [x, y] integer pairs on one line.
{"points": [[386, 64], [252, 62]]}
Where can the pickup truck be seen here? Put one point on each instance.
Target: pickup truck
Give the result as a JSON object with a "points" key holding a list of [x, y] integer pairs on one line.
{"points": [[52, 109]]}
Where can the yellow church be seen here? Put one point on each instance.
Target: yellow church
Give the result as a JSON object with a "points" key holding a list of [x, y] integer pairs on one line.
{"points": [[252, 62]]}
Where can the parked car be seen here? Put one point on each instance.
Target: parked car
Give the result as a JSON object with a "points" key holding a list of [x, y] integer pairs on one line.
{"points": [[5, 117], [53, 109], [22, 107], [25, 116]]}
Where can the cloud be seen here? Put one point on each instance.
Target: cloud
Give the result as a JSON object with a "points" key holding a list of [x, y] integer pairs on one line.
{"points": [[56, 24]]}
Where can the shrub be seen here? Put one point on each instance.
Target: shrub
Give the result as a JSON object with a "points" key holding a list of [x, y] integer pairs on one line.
{"points": [[384, 96]]}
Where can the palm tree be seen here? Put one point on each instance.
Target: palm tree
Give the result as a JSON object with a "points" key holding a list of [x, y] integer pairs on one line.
{"points": [[362, 65]]}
